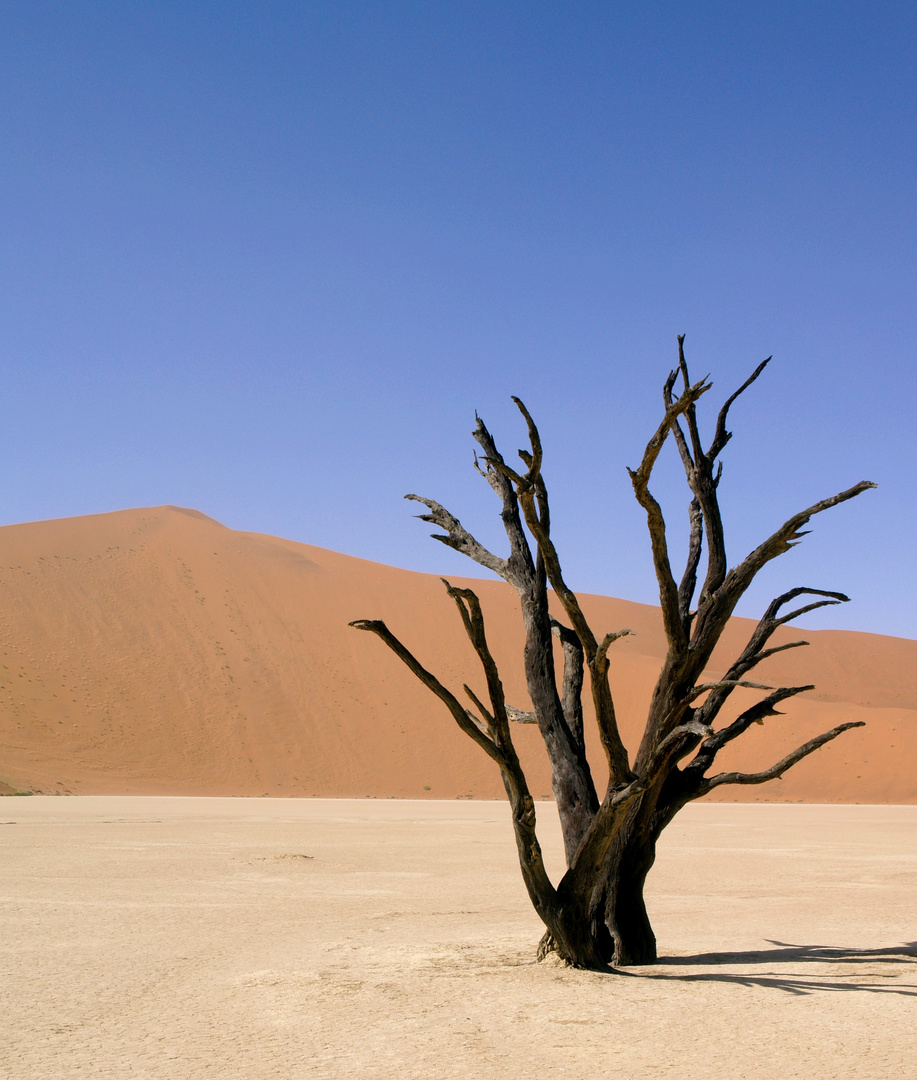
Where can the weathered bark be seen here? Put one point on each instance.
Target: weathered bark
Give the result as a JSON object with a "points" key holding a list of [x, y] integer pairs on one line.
{"points": [[625, 909], [596, 915], [571, 778]]}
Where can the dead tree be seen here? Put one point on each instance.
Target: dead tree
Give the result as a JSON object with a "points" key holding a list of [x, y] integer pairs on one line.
{"points": [[596, 915]]}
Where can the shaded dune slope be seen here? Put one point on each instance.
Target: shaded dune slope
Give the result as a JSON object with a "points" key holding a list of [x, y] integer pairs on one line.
{"points": [[157, 651]]}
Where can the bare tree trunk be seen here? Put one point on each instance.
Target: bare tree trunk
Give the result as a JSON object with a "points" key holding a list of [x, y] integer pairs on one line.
{"points": [[606, 924], [626, 917]]}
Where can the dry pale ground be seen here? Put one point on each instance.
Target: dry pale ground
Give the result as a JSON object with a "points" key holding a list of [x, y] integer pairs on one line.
{"points": [[180, 938]]}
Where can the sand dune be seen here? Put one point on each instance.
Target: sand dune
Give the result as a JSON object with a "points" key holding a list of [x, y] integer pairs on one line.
{"points": [[157, 652]]}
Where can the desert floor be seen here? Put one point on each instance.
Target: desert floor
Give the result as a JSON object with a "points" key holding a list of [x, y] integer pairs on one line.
{"points": [[185, 937]]}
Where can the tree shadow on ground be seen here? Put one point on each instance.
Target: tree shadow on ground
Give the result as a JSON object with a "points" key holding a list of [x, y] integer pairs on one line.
{"points": [[789, 982], [784, 953]]}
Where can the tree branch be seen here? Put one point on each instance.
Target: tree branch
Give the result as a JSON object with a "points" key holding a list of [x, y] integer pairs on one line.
{"points": [[540, 889], [457, 536], [574, 672], [691, 411], [678, 434], [520, 562], [777, 648], [811, 607], [486, 717], [704, 484], [668, 591], [609, 639], [781, 767], [459, 713], [693, 729], [533, 499], [721, 435], [711, 746], [534, 458], [681, 706], [754, 651], [572, 781], [787, 536], [469, 607], [689, 578], [520, 716]]}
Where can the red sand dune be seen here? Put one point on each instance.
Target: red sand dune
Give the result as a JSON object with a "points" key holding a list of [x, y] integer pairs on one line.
{"points": [[156, 651]]}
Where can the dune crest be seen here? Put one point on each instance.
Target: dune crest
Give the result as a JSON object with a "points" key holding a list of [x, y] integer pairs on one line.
{"points": [[156, 651]]}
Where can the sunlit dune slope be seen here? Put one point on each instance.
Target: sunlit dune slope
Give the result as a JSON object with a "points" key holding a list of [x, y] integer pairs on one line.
{"points": [[156, 651]]}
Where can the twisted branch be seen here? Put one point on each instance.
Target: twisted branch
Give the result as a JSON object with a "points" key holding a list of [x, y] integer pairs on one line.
{"points": [[497, 744], [781, 767], [668, 591], [459, 713], [711, 746], [533, 499], [754, 652], [787, 536], [458, 537]]}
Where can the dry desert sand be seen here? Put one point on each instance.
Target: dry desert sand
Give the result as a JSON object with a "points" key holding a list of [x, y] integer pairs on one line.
{"points": [[173, 938], [156, 651], [150, 654]]}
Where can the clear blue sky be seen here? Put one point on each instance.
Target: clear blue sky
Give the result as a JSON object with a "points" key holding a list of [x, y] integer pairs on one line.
{"points": [[266, 259]]}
